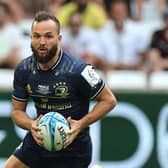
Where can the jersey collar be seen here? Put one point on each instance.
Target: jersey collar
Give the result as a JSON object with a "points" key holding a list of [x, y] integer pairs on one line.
{"points": [[57, 62]]}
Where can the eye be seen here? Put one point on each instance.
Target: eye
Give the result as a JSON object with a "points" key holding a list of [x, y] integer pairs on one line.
{"points": [[36, 36], [48, 36]]}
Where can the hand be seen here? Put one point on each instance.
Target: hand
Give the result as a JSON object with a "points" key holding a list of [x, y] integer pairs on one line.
{"points": [[35, 131], [73, 132]]}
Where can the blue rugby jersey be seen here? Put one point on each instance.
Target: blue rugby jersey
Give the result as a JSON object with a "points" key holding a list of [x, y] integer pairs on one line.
{"points": [[66, 88]]}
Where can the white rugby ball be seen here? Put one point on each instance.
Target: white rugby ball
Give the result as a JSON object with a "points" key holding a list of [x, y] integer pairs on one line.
{"points": [[53, 130]]}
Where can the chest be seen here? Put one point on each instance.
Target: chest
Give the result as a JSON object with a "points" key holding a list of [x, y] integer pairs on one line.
{"points": [[50, 85]]}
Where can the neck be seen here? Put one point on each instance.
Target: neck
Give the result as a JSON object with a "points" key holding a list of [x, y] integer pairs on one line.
{"points": [[119, 26], [51, 63]]}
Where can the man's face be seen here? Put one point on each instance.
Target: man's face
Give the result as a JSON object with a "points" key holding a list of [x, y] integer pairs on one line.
{"points": [[75, 23], [118, 12], [44, 40]]}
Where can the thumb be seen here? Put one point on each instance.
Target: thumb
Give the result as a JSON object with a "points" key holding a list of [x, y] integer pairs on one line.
{"points": [[69, 119], [39, 117]]}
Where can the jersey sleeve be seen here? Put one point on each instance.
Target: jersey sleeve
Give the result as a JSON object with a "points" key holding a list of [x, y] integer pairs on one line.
{"points": [[89, 82], [19, 85]]}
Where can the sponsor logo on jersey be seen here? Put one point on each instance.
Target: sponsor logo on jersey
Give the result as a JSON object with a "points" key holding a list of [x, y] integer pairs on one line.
{"points": [[91, 76], [43, 89]]}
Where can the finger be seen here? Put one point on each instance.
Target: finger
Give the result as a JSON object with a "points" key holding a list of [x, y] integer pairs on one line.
{"points": [[37, 134], [36, 128], [69, 132], [38, 138], [69, 119], [39, 142], [67, 143], [38, 118]]}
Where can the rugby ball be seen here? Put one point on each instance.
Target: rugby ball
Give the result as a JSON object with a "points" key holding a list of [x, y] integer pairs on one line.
{"points": [[53, 127]]}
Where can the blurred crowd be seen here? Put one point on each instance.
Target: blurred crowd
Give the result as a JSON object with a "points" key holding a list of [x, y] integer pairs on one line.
{"points": [[109, 34]]}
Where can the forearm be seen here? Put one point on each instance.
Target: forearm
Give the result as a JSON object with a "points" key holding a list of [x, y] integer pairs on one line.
{"points": [[21, 119], [98, 112]]}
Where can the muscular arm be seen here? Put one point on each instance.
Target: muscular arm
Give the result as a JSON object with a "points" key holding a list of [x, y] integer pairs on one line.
{"points": [[21, 119], [19, 115], [106, 102]]}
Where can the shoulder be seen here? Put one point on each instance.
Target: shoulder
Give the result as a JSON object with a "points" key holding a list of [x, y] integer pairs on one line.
{"points": [[84, 71], [23, 71], [25, 65], [69, 6], [94, 7], [66, 10], [72, 64]]}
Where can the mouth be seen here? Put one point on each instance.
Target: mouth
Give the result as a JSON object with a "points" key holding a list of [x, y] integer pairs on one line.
{"points": [[42, 50]]}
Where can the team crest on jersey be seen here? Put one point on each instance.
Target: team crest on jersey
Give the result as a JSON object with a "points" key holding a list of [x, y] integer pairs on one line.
{"points": [[61, 90], [43, 89]]}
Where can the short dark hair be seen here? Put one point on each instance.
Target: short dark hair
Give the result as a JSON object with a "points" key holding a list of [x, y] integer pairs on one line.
{"points": [[44, 16]]}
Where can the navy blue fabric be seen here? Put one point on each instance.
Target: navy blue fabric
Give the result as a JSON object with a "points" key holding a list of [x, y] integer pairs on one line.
{"points": [[37, 157]]}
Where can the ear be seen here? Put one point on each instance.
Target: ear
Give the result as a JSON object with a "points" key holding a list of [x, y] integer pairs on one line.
{"points": [[59, 37]]}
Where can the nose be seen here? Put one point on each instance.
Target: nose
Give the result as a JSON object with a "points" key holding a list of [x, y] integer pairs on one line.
{"points": [[42, 40]]}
